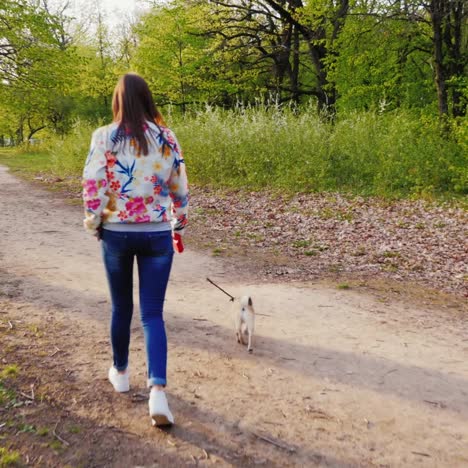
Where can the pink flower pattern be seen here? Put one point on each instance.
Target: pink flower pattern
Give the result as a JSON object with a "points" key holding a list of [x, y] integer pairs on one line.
{"points": [[93, 204], [143, 219], [146, 197], [135, 206], [123, 215], [90, 187]]}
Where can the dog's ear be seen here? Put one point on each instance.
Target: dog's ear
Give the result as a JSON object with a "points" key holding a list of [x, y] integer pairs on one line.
{"points": [[250, 301]]}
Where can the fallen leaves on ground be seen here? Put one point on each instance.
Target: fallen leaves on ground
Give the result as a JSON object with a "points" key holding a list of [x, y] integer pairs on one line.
{"points": [[309, 235], [317, 234]]}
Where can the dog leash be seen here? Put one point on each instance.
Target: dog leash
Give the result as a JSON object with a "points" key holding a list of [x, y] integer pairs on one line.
{"points": [[221, 289]]}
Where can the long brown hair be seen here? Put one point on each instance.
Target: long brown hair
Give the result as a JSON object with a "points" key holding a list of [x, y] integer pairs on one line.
{"points": [[132, 106]]}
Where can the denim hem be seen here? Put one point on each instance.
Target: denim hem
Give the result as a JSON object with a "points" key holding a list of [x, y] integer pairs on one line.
{"points": [[121, 368], [156, 381]]}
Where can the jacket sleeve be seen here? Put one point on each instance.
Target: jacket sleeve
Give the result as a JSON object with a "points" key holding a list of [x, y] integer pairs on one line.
{"points": [[94, 184], [178, 186]]}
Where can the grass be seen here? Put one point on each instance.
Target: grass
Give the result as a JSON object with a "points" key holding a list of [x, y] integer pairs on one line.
{"points": [[8, 458], [390, 254], [74, 429], [328, 213], [11, 370], [28, 164], [216, 252], [7, 395], [390, 155], [43, 431], [55, 445], [23, 427], [311, 253], [39, 164], [360, 251], [301, 243], [7, 399]]}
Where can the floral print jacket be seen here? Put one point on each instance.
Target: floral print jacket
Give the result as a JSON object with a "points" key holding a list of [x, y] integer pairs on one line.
{"points": [[120, 185]]}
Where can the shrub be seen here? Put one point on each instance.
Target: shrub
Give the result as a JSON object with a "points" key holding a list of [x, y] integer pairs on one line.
{"points": [[390, 154]]}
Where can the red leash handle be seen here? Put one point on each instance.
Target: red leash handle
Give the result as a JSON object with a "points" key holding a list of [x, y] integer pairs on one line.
{"points": [[178, 244]]}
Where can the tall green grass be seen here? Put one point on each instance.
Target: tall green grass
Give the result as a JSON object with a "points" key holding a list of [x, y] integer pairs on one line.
{"points": [[69, 154], [394, 154], [27, 162], [55, 155], [391, 154]]}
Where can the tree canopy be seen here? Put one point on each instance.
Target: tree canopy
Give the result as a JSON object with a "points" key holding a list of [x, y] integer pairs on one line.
{"points": [[339, 55]]}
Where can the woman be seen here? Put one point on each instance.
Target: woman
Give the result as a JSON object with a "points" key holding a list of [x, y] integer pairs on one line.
{"points": [[135, 194]]}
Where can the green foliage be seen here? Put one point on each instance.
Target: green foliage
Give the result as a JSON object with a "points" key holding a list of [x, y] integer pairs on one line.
{"points": [[36, 70], [392, 154], [376, 59], [185, 69], [69, 154], [26, 162], [97, 73], [383, 64]]}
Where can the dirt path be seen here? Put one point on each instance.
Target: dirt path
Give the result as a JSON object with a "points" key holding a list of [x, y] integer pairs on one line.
{"points": [[337, 378]]}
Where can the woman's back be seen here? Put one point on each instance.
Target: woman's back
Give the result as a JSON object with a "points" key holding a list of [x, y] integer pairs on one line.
{"points": [[122, 186]]}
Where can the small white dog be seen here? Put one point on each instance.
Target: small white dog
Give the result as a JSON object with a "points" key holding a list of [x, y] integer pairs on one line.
{"points": [[245, 321]]}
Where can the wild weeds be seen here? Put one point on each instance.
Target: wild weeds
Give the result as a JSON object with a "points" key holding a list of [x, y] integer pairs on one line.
{"points": [[393, 154], [390, 154]]}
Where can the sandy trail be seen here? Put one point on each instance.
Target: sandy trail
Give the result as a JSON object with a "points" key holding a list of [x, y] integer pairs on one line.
{"points": [[337, 378]]}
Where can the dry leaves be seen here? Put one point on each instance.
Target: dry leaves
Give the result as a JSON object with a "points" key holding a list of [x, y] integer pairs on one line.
{"points": [[318, 234]]}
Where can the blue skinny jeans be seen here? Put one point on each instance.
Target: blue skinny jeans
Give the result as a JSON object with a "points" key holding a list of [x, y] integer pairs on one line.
{"points": [[154, 252]]}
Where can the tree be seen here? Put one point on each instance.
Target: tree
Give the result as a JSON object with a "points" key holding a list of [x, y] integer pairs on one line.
{"points": [[384, 59], [449, 30], [34, 66], [284, 25], [173, 54]]}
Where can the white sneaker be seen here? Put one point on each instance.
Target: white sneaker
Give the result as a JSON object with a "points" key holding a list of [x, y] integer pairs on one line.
{"points": [[121, 382], [159, 409]]}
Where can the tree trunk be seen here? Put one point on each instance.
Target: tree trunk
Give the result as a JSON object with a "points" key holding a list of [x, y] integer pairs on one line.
{"points": [[32, 131], [447, 18], [326, 95], [457, 62], [20, 132], [295, 67], [439, 68]]}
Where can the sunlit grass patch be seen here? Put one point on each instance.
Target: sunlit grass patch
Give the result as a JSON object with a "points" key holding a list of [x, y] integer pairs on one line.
{"points": [[9, 458], [10, 370], [26, 163]]}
